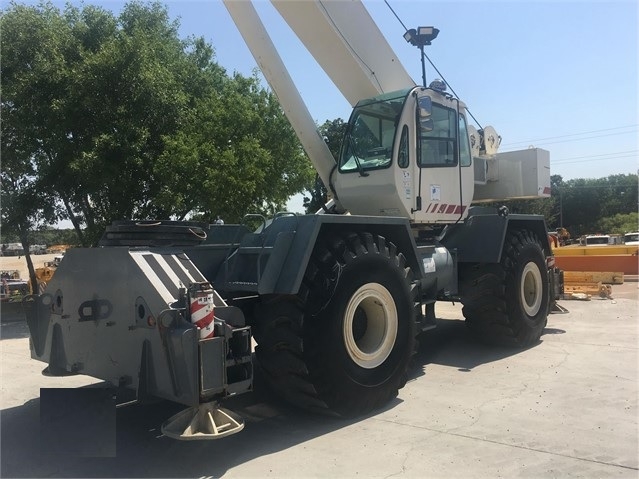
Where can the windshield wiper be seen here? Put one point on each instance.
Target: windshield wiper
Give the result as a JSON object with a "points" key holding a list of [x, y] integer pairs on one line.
{"points": [[360, 168]]}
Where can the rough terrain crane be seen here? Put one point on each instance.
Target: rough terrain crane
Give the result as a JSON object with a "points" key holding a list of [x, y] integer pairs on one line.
{"points": [[334, 301]]}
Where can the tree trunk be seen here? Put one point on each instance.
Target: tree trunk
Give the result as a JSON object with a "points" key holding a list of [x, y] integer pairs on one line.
{"points": [[24, 239], [74, 221]]}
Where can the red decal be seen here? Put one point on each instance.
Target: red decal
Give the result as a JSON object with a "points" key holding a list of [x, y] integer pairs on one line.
{"points": [[450, 209], [442, 208], [202, 312], [547, 190], [459, 210]]}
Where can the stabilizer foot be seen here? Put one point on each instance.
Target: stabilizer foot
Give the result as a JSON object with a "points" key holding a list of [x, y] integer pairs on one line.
{"points": [[558, 309], [203, 422]]}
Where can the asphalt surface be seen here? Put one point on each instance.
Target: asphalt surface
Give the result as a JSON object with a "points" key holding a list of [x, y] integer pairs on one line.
{"points": [[566, 407]]}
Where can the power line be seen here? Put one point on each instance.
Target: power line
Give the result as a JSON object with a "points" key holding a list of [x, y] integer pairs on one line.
{"points": [[433, 65], [593, 156], [575, 134], [536, 140], [396, 16], [597, 159], [570, 187], [578, 139]]}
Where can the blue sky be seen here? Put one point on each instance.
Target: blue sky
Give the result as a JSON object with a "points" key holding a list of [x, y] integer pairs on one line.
{"points": [[557, 75], [560, 75]]}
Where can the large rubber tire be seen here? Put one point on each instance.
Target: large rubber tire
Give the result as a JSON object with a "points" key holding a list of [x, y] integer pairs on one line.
{"points": [[507, 303], [343, 345]]}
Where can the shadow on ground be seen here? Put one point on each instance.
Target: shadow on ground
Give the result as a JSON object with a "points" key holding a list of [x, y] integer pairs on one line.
{"points": [[14, 330], [11, 312], [271, 426], [142, 450], [451, 344]]}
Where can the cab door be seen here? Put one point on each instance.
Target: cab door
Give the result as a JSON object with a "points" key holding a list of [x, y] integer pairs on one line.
{"points": [[443, 162]]}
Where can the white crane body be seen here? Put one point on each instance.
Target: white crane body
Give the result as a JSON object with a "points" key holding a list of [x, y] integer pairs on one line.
{"points": [[259, 42], [352, 51], [440, 173], [446, 189]]}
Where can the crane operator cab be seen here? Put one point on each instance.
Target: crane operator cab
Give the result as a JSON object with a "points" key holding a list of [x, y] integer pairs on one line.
{"points": [[407, 153]]}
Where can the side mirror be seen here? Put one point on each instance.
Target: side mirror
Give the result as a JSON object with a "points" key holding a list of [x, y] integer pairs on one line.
{"points": [[426, 124], [424, 111]]}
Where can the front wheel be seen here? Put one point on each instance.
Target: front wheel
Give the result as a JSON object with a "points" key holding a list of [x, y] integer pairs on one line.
{"points": [[507, 303], [344, 343]]}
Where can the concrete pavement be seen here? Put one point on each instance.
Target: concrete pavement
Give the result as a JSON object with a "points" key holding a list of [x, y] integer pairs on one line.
{"points": [[564, 408]]}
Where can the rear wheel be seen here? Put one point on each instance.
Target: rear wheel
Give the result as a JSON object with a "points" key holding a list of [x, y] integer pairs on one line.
{"points": [[507, 303], [344, 343]]}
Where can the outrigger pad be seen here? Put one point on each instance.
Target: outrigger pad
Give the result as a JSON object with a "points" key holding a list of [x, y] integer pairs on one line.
{"points": [[558, 309], [206, 421]]}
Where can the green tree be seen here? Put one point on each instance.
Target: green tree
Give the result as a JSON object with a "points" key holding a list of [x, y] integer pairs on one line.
{"points": [[26, 200], [125, 120], [238, 154], [44, 235], [588, 201], [585, 205], [333, 133], [26, 205], [619, 224]]}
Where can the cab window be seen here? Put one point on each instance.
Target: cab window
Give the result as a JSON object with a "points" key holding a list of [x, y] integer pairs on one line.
{"points": [[438, 146], [464, 145], [403, 158], [368, 143]]}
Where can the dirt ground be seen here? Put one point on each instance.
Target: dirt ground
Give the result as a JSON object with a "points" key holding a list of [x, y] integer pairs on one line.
{"points": [[11, 263]]}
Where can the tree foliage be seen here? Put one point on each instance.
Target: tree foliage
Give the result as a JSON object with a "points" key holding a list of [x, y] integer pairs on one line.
{"points": [[619, 224], [588, 204], [333, 132], [45, 235], [240, 131], [119, 118], [110, 117]]}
